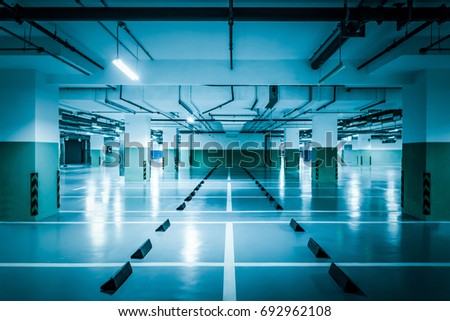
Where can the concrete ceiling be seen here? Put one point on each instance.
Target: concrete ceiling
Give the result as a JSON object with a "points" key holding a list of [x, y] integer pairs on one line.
{"points": [[189, 56]]}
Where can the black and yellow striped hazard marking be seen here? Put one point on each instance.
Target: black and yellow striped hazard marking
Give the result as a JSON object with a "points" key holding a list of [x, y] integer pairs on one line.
{"points": [[337, 175], [426, 193], [317, 169], [402, 189], [34, 208], [58, 189], [144, 164]]}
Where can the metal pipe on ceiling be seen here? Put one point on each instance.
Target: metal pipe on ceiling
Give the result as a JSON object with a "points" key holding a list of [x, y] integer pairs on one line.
{"points": [[424, 50], [374, 104], [303, 105], [19, 49], [186, 107], [257, 123], [380, 116], [273, 99], [397, 43], [148, 110], [311, 14], [14, 13], [133, 103], [223, 104], [295, 117], [42, 49], [111, 120], [189, 110], [124, 26], [116, 106], [256, 99], [330, 102], [196, 108], [110, 33], [333, 43], [230, 30]]}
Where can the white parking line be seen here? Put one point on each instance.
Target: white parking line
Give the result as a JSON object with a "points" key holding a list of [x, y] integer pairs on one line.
{"points": [[229, 199], [229, 276], [218, 222], [149, 212], [229, 289]]}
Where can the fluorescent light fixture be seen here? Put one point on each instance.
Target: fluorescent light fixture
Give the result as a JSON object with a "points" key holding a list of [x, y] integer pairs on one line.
{"points": [[125, 69], [190, 120], [333, 72]]}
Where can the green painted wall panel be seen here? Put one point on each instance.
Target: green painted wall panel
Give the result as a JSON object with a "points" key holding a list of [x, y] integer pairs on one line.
{"points": [[438, 164], [18, 161], [134, 169], [169, 159], [47, 166], [96, 156], [327, 164], [231, 158], [433, 158], [273, 158], [378, 156], [291, 159], [413, 165]]}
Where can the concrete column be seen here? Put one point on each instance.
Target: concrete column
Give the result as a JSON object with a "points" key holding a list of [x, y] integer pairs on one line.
{"points": [[291, 148], [362, 147], [324, 151], [137, 148], [29, 139], [268, 150], [272, 151], [97, 156], [191, 143], [170, 150], [307, 153], [426, 146], [62, 151]]}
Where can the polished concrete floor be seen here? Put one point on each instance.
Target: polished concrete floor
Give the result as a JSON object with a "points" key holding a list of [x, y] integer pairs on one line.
{"points": [[229, 243]]}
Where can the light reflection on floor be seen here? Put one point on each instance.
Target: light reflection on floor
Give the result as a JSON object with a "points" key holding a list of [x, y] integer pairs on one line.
{"points": [[103, 220]]}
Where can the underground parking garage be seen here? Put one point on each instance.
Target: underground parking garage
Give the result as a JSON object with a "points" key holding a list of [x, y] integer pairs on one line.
{"points": [[224, 151]]}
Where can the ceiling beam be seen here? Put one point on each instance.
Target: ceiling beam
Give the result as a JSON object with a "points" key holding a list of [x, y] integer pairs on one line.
{"points": [[330, 14]]}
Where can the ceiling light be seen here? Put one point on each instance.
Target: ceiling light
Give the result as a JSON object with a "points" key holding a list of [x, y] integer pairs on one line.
{"points": [[95, 126], [125, 69], [190, 120]]}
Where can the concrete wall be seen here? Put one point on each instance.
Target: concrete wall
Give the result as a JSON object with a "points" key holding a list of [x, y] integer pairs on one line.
{"points": [[29, 143], [222, 141], [213, 149], [376, 154]]}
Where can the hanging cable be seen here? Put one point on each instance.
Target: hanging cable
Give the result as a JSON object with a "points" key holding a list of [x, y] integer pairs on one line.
{"points": [[230, 28], [117, 42]]}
